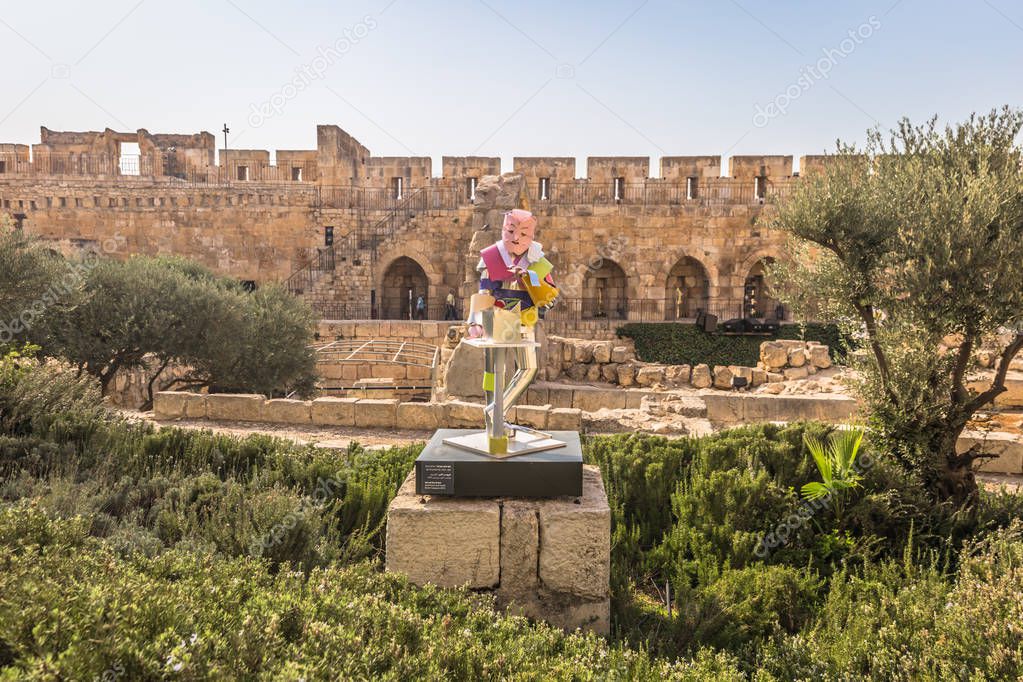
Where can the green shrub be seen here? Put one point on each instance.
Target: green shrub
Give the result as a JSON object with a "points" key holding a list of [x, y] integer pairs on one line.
{"points": [[71, 609], [672, 343]]}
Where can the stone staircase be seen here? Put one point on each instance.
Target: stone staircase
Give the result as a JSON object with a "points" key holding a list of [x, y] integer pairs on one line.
{"points": [[334, 271]]}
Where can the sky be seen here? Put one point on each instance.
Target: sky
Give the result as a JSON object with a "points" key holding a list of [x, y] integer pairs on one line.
{"points": [[500, 78]]}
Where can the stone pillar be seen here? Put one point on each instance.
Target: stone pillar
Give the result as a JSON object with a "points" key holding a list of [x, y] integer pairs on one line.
{"points": [[548, 559]]}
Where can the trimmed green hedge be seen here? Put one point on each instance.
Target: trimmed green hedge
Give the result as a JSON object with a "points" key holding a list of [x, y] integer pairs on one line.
{"points": [[670, 343]]}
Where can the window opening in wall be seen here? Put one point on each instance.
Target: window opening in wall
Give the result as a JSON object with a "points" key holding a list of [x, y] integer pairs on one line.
{"points": [[243, 173], [3, 166], [692, 188], [471, 187], [619, 189], [328, 235], [129, 158], [296, 173], [545, 189], [398, 185], [760, 187]]}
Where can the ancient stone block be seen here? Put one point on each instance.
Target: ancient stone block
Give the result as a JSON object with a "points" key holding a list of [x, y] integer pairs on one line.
{"points": [[449, 542], [619, 354], [593, 399], [421, 416], [583, 352], [534, 416], [723, 377], [593, 373], [520, 545], [819, 357], [235, 407], [1008, 448], [286, 411], [773, 355], [609, 373], [464, 415], [649, 376], [626, 374], [775, 377], [577, 371], [677, 375], [334, 411], [602, 352], [792, 373], [759, 376], [565, 419], [377, 413], [797, 357], [701, 377], [575, 541], [560, 397], [174, 405]]}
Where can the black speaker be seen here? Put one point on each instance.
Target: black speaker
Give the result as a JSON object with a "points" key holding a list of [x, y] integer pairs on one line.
{"points": [[710, 323]]}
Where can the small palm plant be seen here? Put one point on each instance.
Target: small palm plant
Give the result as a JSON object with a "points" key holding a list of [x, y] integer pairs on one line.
{"points": [[836, 463]]}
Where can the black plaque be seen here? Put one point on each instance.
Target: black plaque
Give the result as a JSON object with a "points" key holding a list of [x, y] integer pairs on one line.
{"points": [[443, 469], [438, 478]]}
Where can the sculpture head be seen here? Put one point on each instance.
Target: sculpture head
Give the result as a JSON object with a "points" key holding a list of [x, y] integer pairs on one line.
{"points": [[519, 229]]}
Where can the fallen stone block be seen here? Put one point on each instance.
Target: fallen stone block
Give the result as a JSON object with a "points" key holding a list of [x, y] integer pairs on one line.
{"points": [[649, 376], [565, 419], [701, 377], [376, 413], [421, 416], [175, 405], [464, 415], [593, 399], [533, 416]]}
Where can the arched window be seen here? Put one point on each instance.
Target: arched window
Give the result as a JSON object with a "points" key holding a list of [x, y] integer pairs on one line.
{"points": [[404, 283], [757, 299], [687, 290], [604, 292]]}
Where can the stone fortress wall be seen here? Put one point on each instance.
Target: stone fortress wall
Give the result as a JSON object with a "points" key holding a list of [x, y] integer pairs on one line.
{"points": [[357, 234]]}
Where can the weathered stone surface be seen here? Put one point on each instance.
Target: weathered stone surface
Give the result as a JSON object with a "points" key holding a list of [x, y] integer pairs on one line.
{"points": [[619, 354], [775, 377], [609, 373], [575, 541], [797, 357], [560, 397], [602, 352], [174, 405], [534, 416], [583, 352], [286, 411], [701, 377], [577, 371], [422, 416], [593, 373], [734, 407], [820, 357], [334, 411], [462, 415], [449, 542], [795, 373], [520, 546], [235, 407], [565, 419], [591, 400], [723, 377], [626, 374], [743, 372], [649, 376], [677, 375], [759, 376], [773, 355], [376, 413]]}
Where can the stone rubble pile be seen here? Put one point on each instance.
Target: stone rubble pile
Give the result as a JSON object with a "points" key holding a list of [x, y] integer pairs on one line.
{"points": [[615, 363]]}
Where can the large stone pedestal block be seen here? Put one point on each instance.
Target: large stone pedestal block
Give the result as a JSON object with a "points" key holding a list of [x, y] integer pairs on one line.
{"points": [[546, 558]]}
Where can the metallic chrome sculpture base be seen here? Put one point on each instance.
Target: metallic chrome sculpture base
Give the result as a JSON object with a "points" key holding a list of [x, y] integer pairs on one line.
{"points": [[523, 442]]}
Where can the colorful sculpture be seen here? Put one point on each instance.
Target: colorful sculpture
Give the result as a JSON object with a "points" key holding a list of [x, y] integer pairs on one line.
{"points": [[515, 285]]}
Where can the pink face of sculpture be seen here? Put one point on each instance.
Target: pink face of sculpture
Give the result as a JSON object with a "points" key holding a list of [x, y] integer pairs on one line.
{"points": [[519, 229]]}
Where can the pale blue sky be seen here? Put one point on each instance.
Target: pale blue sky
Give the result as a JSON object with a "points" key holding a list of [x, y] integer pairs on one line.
{"points": [[501, 78]]}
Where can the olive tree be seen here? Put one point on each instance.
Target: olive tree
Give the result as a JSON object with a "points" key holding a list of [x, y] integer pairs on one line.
{"points": [[916, 241]]}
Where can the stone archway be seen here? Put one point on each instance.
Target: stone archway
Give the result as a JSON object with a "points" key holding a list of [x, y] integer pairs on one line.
{"points": [[687, 289], [605, 292], [404, 281], [757, 299]]}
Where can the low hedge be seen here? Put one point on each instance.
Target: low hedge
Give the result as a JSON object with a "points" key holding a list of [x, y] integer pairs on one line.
{"points": [[670, 343]]}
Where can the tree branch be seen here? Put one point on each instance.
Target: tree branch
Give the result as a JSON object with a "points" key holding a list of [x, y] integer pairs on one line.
{"points": [[959, 393], [998, 384]]}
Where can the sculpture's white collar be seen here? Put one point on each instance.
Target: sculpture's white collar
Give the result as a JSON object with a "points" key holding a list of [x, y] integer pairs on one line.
{"points": [[534, 253]]}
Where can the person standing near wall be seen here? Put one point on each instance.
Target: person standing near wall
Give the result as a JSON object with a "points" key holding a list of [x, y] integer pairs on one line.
{"points": [[421, 308], [449, 309]]}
